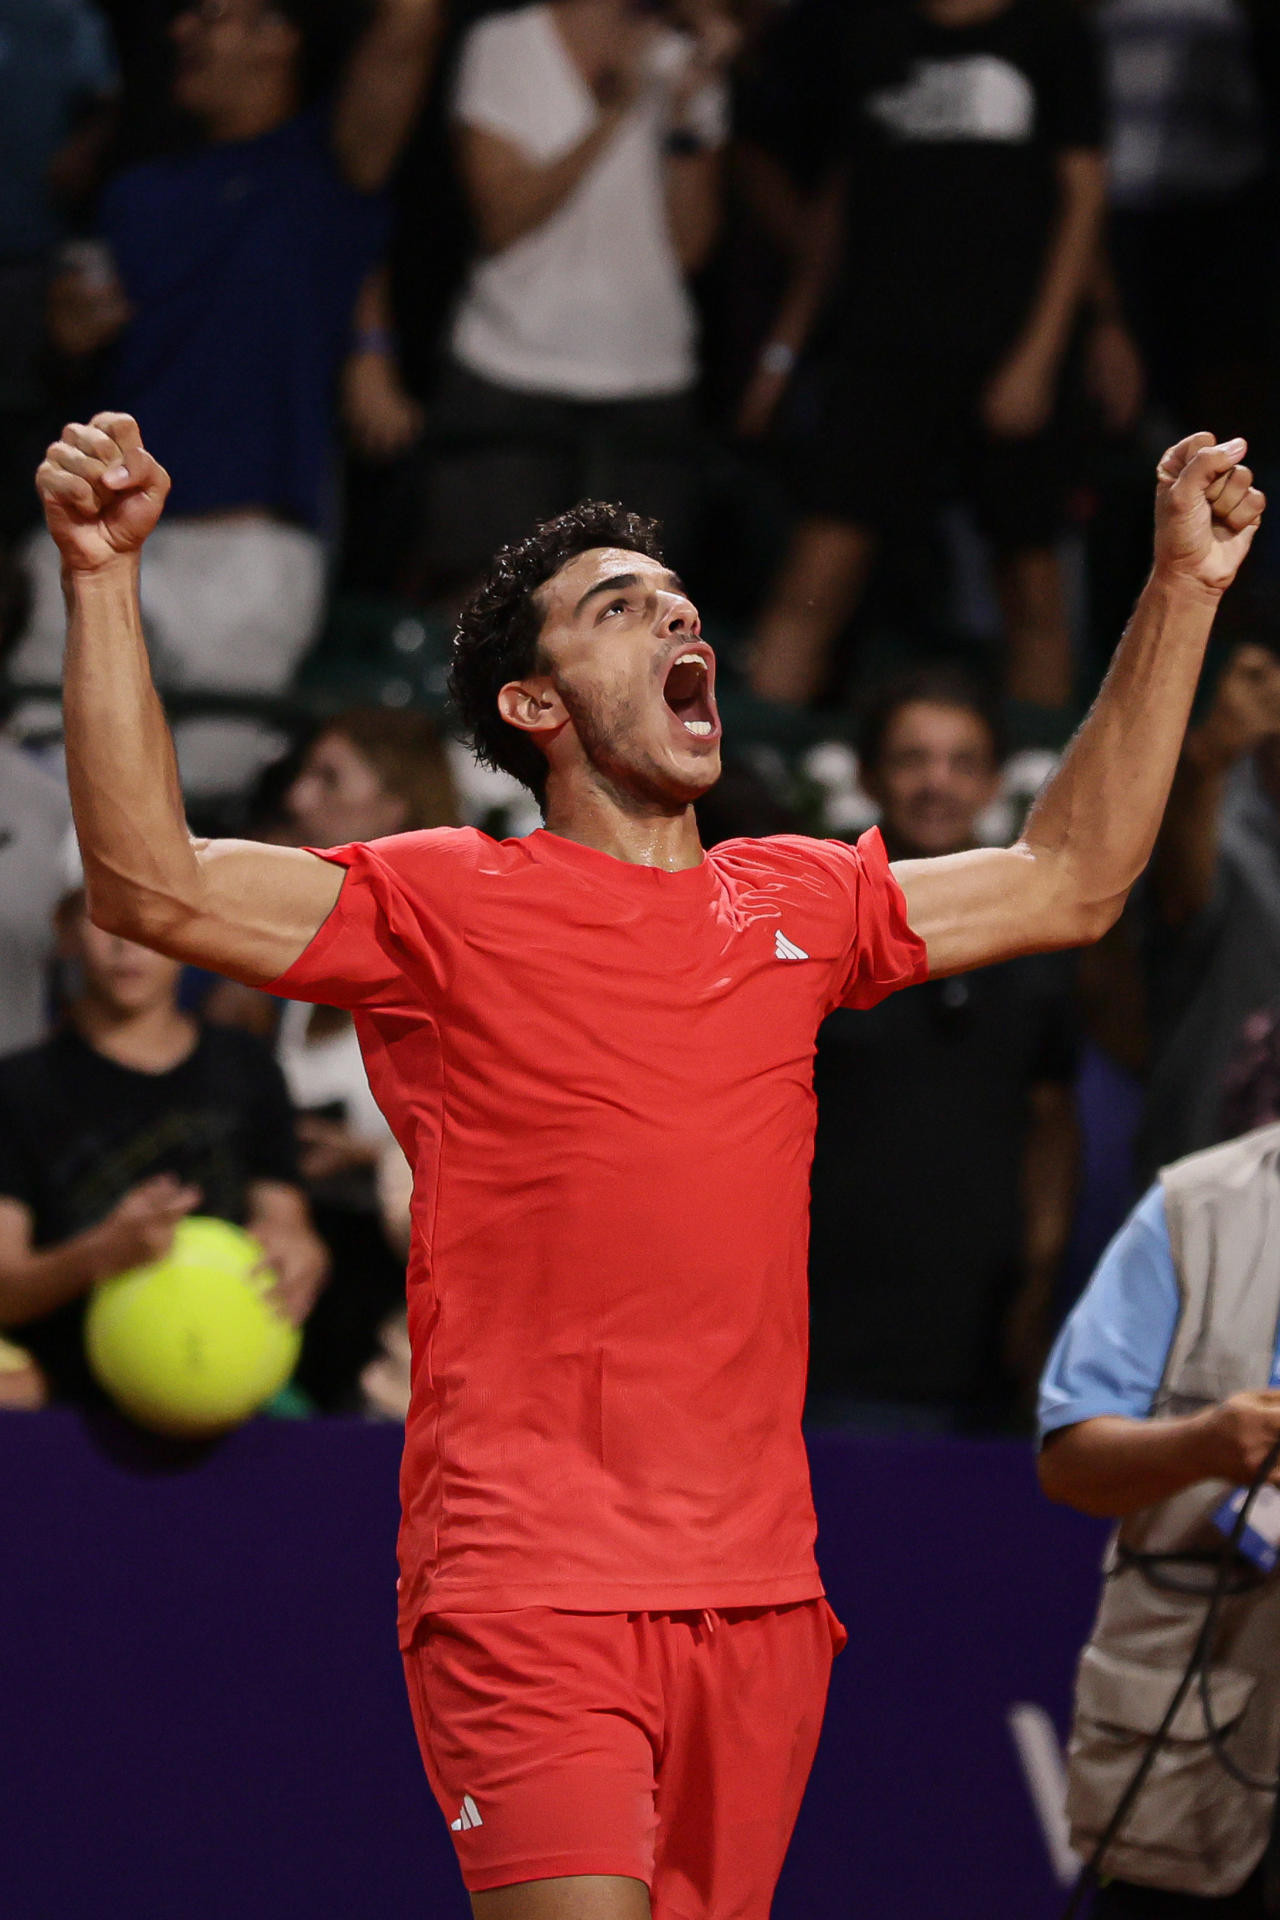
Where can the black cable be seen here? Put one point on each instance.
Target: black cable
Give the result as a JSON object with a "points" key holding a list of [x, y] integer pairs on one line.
{"points": [[1198, 1662]]}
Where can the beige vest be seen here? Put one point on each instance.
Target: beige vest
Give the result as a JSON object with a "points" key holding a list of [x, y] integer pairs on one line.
{"points": [[1193, 1829]]}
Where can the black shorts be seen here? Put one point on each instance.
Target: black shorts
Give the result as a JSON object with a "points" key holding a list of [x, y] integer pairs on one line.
{"points": [[894, 436]]}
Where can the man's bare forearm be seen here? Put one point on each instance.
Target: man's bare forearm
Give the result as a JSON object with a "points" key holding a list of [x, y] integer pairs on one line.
{"points": [[1112, 1466], [139, 862]]}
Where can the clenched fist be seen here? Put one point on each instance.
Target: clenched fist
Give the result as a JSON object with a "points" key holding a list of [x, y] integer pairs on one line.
{"points": [[1207, 511], [101, 491]]}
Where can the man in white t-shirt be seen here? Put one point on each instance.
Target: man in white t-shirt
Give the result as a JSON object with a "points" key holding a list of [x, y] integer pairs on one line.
{"points": [[589, 135]]}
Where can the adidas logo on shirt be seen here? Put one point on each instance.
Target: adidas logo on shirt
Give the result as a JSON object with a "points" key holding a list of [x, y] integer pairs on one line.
{"points": [[785, 949], [468, 1818]]}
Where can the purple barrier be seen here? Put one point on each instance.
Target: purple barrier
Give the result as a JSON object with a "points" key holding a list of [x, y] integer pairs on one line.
{"points": [[202, 1712]]}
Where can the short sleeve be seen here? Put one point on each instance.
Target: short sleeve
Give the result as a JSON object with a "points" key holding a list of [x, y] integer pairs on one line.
{"points": [[883, 953], [493, 87], [390, 939], [1073, 109], [1110, 1355]]}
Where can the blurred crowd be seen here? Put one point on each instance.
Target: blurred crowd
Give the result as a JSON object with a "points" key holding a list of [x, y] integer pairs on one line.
{"points": [[887, 311]]}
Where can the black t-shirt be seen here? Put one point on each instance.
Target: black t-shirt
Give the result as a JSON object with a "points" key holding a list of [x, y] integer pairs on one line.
{"points": [[951, 136], [78, 1130], [923, 1109]]}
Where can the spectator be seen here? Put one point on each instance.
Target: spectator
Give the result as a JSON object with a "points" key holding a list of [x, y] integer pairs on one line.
{"points": [[129, 1118], [57, 86], [1189, 175], [589, 136], [370, 772], [35, 819], [929, 1311], [1153, 1405], [960, 236], [229, 292], [1214, 905]]}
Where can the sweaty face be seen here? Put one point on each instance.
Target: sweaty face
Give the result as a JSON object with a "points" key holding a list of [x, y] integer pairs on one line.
{"points": [[338, 797], [621, 643], [937, 772]]}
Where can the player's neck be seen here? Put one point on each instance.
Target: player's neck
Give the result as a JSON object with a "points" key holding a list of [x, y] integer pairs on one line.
{"points": [[643, 836], [153, 1040]]}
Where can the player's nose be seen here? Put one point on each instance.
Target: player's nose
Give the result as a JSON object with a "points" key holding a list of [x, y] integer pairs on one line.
{"points": [[678, 615]]}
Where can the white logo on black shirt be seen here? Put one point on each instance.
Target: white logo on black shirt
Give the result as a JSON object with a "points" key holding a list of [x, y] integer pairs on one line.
{"points": [[980, 97]]}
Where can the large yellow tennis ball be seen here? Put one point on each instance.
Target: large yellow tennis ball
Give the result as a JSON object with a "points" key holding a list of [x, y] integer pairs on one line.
{"points": [[187, 1345]]}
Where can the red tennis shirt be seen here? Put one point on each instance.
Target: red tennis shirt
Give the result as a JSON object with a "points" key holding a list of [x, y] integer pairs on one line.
{"points": [[601, 1075]]}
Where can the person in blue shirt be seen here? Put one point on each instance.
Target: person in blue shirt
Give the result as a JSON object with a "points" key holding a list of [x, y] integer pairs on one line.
{"points": [[224, 293], [1101, 1453]]}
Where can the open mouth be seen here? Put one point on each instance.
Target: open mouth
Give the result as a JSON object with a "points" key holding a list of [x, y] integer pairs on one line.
{"points": [[687, 691]]}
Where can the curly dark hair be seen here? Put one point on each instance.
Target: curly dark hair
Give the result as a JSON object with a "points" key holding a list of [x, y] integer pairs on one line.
{"points": [[500, 626]]}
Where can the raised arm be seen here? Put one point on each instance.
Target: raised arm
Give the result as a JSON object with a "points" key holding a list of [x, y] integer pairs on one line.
{"points": [[226, 904], [1091, 831], [383, 89]]}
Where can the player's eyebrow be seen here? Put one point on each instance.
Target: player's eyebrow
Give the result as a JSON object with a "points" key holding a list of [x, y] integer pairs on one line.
{"points": [[618, 581]]}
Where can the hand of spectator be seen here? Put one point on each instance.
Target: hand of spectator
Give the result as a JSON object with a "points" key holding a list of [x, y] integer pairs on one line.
{"points": [[141, 1227], [1207, 512], [1244, 711], [1115, 377], [716, 40], [85, 312], [1018, 401], [1238, 1434], [385, 1382], [23, 1387], [297, 1262], [382, 419], [101, 491], [329, 1148]]}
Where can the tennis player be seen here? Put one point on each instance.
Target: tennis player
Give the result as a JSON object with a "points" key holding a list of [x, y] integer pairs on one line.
{"points": [[594, 1046]]}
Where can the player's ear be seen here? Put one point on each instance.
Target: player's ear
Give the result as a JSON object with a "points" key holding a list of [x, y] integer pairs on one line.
{"points": [[533, 705]]}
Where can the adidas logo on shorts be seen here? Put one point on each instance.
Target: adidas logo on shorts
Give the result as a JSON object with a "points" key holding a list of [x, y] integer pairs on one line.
{"points": [[468, 1818], [785, 949]]}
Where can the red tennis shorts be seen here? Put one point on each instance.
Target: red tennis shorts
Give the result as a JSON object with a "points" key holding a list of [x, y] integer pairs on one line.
{"points": [[672, 1748]]}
